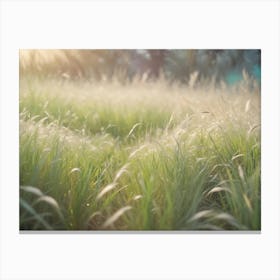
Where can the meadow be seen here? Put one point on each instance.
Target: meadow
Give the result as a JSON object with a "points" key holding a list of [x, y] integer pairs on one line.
{"points": [[139, 156]]}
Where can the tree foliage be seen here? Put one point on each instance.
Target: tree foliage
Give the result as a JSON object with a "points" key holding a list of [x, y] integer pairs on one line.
{"points": [[125, 65]]}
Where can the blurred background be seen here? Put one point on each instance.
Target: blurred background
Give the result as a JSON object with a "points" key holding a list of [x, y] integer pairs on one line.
{"points": [[183, 66]]}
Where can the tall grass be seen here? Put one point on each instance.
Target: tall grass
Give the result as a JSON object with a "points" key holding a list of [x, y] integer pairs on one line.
{"points": [[145, 156]]}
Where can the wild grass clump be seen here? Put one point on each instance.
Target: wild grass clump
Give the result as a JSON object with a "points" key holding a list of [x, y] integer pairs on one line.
{"points": [[145, 156]]}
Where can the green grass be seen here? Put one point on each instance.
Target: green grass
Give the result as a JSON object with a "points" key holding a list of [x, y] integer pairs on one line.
{"points": [[138, 157]]}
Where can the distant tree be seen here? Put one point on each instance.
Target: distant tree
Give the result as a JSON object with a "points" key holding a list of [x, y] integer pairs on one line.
{"points": [[124, 65], [157, 60], [180, 64]]}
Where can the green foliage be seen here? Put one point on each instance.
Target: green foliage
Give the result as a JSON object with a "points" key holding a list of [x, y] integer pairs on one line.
{"points": [[140, 157]]}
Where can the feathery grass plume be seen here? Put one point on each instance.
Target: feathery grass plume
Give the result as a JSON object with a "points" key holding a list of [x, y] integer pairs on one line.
{"points": [[219, 189], [137, 151], [121, 172], [75, 169], [111, 220], [228, 219], [37, 217], [247, 201], [137, 197], [241, 173], [132, 129], [201, 214], [168, 125], [247, 106], [251, 129], [29, 207], [32, 190], [237, 156], [50, 200], [106, 189], [95, 220]]}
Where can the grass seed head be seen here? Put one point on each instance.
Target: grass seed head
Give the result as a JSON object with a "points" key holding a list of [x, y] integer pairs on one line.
{"points": [[106, 189], [32, 190], [121, 171], [111, 220]]}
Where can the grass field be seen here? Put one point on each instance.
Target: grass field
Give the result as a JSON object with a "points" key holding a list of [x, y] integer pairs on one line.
{"points": [[144, 156]]}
